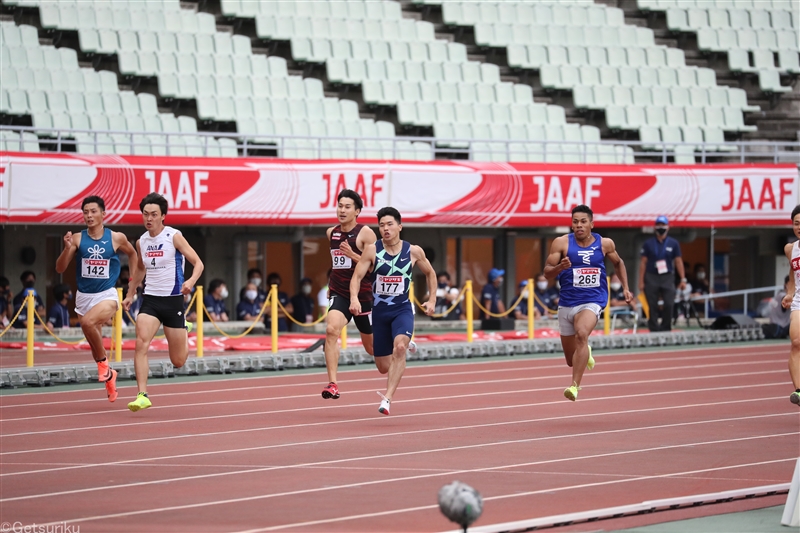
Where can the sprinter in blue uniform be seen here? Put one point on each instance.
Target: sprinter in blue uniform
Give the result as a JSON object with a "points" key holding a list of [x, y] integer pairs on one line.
{"points": [[98, 270], [391, 261], [578, 260]]}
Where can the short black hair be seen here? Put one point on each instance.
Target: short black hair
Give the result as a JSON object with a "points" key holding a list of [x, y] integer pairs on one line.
{"points": [[214, 285], [253, 271], [4, 281], [795, 212], [94, 200], [154, 198], [272, 276], [583, 209], [60, 290], [353, 195], [24, 275], [445, 274], [389, 212]]}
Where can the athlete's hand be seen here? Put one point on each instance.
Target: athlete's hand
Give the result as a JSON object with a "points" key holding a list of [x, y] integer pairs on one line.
{"points": [[68, 239], [127, 302], [355, 307], [786, 302], [187, 287], [429, 307], [345, 248], [564, 264], [628, 296], [641, 286]]}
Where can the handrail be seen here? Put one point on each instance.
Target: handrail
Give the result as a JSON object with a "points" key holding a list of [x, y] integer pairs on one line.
{"points": [[706, 298]]}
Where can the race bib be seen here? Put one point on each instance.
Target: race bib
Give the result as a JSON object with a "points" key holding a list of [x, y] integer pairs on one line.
{"points": [[94, 268], [661, 266], [585, 278], [796, 263], [340, 261], [389, 285]]}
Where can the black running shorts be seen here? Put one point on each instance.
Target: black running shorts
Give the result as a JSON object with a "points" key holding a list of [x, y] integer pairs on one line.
{"points": [[167, 309], [342, 304]]}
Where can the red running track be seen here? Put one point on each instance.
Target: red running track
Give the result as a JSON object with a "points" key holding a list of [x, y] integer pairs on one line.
{"points": [[266, 453]]}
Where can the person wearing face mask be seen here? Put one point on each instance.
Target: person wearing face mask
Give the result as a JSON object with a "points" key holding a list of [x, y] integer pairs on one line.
{"points": [[303, 304], [254, 276], [490, 294], [248, 307], [521, 310], [544, 294], [215, 300], [283, 325], [28, 280], [445, 296], [58, 316], [661, 258], [6, 301]]}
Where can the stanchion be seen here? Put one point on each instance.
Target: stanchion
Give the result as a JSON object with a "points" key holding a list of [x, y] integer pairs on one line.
{"points": [[531, 318], [31, 320], [607, 313], [199, 325], [343, 337], [273, 293], [468, 298], [118, 329]]}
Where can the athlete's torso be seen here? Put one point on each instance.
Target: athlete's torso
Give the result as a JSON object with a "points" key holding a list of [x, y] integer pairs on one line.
{"points": [[796, 271], [98, 263], [585, 281], [392, 275], [163, 263], [343, 267]]}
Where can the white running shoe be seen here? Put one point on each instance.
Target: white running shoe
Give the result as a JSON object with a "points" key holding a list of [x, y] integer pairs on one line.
{"points": [[384, 408], [412, 347]]}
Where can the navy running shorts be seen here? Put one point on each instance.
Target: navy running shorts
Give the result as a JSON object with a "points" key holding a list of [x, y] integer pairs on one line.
{"points": [[388, 322]]}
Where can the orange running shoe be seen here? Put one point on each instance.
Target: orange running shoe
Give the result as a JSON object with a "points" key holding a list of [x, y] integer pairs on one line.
{"points": [[102, 371], [111, 386]]}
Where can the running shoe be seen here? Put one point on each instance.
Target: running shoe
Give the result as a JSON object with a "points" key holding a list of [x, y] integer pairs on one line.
{"points": [[590, 364], [385, 402], [571, 393], [331, 392], [189, 326], [103, 371], [412, 347], [111, 386], [795, 398], [141, 402]]}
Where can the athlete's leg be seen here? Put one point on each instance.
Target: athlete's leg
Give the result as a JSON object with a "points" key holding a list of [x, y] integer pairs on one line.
{"points": [[178, 341], [794, 354], [397, 364], [146, 328], [334, 324], [92, 325], [568, 345], [366, 342], [585, 321]]}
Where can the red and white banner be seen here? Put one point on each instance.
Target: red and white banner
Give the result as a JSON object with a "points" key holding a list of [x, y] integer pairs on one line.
{"points": [[48, 189]]}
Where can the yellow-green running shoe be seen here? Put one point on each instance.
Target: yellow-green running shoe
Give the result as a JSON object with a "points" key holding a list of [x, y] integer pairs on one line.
{"points": [[141, 402], [795, 398], [189, 326], [590, 364], [571, 393]]}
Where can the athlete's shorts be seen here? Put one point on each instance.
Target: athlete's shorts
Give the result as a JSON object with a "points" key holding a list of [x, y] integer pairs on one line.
{"points": [[167, 309], [566, 317], [84, 301], [389, 321], [342, 304]]}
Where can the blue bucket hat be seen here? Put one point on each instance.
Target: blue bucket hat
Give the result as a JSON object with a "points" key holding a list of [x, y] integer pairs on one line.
{"points": [[495, 273]]}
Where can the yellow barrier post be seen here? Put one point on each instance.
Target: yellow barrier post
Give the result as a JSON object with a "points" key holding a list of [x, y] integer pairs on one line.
{"points": [[199, 325], [273, 293], [118, 329], [607, 313], [530, 309], [468, 299], [343, 338], [31, 319]]}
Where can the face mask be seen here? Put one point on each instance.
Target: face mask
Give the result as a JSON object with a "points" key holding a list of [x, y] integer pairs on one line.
{"points": [[223, 293], [256, 281], [525, 294], [29, 283], [616, 286], [701, 276], [443, 285], [541, 285], [306, 289], [251, 295], [661, 231]]}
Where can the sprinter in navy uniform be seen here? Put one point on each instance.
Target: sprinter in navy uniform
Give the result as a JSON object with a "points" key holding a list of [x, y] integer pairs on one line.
{"points": [[577, 259], [97, 301]]}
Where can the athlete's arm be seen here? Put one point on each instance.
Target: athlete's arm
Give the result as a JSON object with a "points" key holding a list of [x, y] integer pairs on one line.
{"points": [[71, 243], [557, 260], [790, 287], [418, 258], [610, 250], [137, 275], [121, 243], [364, 262], [365, 237], [182, 245]]}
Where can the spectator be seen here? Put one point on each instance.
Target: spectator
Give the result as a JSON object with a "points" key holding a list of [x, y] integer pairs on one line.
{"points": [[521, 310], [303, 303], [254, 276], [323, 296], [6, 301], [215, 300], [490, 295], [28, 280], [545, 297], [283, 325], [446, 294], [58, 317], [779, 317], [616, 293], [661, 257], [248, 307], [700, 281]]}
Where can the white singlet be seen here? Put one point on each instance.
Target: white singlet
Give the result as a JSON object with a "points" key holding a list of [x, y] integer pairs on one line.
{"points": [[796, 272], [164, 264]]}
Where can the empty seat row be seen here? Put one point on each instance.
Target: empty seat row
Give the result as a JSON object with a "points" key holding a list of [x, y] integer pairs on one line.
{"points": [[469, 13], [550, 152], [567, 76], [187, 86], [122, 103], [600, 97], [737, 19], [392, 92], [12, 141], [534, 56], [318, 50], [505, 34], [173, 145], [284, 28], [84, 79], [111, 41], [110, 122], [13, 35], [315, 127], [428, 113], [449, 131], [352, 9], [355, 149], [666, 137], [151, 64], [634, 117], [711, 40], [355, 71], [40, 57], [156, 5], [231, 109], [663, 5], [788, 61], [65, 17]]}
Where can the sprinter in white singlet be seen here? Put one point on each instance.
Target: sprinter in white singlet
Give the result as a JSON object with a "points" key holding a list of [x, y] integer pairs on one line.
{"points": [[792, 301]]}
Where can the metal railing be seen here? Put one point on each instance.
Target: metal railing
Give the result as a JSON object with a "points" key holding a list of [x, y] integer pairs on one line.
{"points": [[706, 298], [211, 144]]}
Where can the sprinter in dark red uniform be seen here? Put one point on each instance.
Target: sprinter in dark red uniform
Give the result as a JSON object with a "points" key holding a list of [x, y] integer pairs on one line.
{"points": [[347, 240]]}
